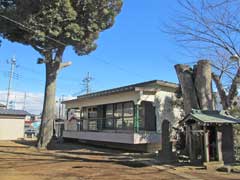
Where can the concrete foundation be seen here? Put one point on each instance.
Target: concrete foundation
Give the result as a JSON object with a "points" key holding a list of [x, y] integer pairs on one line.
{"points": [[146, 148]]}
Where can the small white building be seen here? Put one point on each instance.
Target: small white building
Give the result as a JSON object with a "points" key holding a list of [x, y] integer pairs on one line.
{"points": [[138, 116], [12, 124]]}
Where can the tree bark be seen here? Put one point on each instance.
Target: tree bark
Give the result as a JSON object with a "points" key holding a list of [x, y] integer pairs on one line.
{"points": [[184, 73], [48, 114], [196, 85], [233, 89], [221, 91], [203, 84]]}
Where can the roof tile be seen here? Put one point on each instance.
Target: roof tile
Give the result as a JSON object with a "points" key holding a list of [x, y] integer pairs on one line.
{"points": [[13, 112]]}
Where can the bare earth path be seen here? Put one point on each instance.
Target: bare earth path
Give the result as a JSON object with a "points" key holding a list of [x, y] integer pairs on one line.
{"points": [[21, 161]]}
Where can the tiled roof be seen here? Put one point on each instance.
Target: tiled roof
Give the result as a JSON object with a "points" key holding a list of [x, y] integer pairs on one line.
{"points": [[206, 117], [12, 112]]}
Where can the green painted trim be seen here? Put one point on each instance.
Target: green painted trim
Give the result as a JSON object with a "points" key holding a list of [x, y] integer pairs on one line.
{"points": [[136, 119]]}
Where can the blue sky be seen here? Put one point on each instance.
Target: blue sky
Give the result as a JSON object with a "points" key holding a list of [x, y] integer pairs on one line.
{"points": [[134, 50]]}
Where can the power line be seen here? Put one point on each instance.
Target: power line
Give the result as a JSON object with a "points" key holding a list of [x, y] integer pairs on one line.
{"points": [[63, 44], [103, 60], [59, 42]]}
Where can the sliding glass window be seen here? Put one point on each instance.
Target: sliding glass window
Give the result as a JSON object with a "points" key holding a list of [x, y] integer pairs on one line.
{"points": [[109, 123], [128, 114], [118, 115]]}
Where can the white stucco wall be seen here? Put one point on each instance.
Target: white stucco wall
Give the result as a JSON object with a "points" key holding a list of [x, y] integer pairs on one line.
{"points": [[166, 110], [11, 128]]}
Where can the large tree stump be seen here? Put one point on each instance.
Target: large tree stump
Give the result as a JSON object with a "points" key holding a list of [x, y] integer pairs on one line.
{"points": [[196, 85], [203, 84], [184, 73]]}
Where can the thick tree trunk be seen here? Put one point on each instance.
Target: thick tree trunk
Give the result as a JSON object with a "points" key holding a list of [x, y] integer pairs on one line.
{"points": [[185, 76], [203, 84], [48, 114]]}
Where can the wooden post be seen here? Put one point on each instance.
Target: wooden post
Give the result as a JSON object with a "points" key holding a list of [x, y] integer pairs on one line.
{"points": [[206, 145], [189, 135], [219, 145]]}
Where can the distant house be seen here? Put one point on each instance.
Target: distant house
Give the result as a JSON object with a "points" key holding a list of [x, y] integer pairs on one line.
{"points": [[12, 124], [137, 116], [2, 106]]}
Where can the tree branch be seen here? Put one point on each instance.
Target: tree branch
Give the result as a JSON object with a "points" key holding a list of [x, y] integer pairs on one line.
{"points": [[38, 49], [233, 89], [221, 90], [65, 64]]}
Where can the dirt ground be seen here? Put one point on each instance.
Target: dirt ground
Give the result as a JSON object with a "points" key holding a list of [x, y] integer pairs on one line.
{"points": [[20, 160]]}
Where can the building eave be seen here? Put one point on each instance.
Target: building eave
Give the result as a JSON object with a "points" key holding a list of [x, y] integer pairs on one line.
{"points": [[133, 87]]}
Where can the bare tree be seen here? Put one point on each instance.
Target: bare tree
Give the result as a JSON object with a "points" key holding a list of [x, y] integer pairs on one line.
{"points": [[212, 28]]}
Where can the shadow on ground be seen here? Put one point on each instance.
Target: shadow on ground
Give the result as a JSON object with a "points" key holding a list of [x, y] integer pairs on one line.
{"points": [[69, 152], [75, 152]]}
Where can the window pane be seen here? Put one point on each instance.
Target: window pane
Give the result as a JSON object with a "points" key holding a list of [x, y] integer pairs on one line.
{"points": [[128, 123], [128, 109], [119, 123], [84, 113], [92, 125], [109, 111], [79, 126], [109, 123], [92, 112], [118, 110]]}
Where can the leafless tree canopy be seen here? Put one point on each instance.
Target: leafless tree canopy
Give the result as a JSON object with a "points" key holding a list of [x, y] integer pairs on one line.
{"points": [[212, 28], [209, 25]]}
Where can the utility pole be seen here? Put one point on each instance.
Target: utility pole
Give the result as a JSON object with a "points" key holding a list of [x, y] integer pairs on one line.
{"points": [[62, 105], [59, 108], [86, 82], [13, 65], [24, 101]]}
